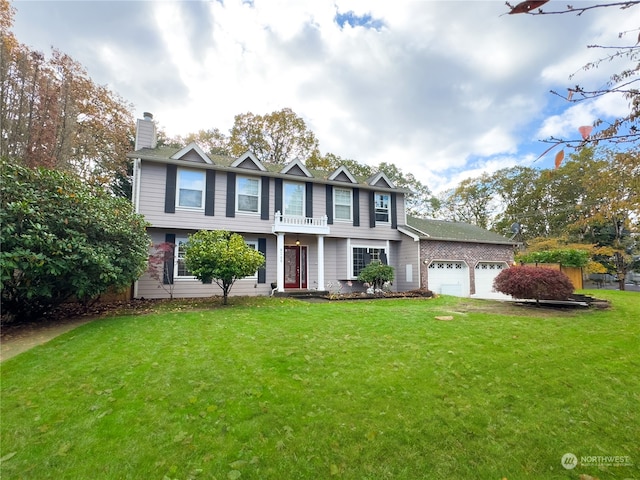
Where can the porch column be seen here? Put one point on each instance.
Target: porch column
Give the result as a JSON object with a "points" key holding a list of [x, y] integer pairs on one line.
{"points": [[280, 262], [320, 262]]}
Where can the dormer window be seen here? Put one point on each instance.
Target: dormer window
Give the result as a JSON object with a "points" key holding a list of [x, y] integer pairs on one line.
{"points": [[382, 207], [190, 189]]}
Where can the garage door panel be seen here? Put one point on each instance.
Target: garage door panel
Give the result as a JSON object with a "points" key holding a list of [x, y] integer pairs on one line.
{"points": [[485, 274], [450, 277]]}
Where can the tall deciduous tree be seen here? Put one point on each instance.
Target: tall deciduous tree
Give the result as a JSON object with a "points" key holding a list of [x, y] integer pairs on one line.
{"points": [[53, 115], [222, 257], [276, 138]]}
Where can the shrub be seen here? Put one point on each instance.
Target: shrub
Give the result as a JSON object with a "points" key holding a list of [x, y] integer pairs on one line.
{"points": [[568, 257], [61, 239], [376, 274], [533, 283]]}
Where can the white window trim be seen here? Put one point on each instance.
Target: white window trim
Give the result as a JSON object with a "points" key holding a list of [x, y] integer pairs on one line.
{"points": [[388, 209], [335, 217], [203, 191], [176, 275], [245, 212], [351, 246], [254, 244], [284, 197]]}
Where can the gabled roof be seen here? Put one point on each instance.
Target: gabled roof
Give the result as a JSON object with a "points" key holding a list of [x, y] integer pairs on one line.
{"points": [[250, 161], [452, 231], [296, 167], [187, 153], [342, 174], [380, 180]]}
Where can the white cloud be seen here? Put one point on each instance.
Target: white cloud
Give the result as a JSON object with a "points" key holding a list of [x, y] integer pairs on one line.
{"points": [[443, 89]]}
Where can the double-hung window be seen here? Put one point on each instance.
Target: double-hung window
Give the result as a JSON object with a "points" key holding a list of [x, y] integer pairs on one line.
{"points": [[180, 268], [254, 245], [342, 204], [293, 198], [363, 256], [382, 207], [190, 189], [248, 195]]}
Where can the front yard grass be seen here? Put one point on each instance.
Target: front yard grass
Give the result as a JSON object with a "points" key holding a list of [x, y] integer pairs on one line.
{"points": [[275, 389]]}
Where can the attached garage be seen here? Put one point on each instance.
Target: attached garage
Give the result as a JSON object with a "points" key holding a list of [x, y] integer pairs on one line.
{"points": [[448, 277], [457, 258], [485, 273]]}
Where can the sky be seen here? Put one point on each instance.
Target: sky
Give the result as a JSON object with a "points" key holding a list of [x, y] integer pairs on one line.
{"points": [[446, 90]]}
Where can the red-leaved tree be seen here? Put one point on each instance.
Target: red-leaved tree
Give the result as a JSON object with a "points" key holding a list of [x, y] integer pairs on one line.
{"points": [[160, 266], [534, 283]]}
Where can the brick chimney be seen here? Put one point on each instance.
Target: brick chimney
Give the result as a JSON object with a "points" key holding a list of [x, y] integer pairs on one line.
{"points": [[146, 132]]}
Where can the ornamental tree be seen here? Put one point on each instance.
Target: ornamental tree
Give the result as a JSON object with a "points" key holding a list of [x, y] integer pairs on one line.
{"points": [[62, 239], [222, 257], [376, 274], [534, 283]]}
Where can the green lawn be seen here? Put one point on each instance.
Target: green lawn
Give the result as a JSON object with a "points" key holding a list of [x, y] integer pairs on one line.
{"points": [[281, 389]]}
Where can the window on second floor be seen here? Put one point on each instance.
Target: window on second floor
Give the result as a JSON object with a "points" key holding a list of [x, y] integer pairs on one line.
{"points": [[190, 189], [382, 207], [293, 198], [248, 195], [342, 204]]}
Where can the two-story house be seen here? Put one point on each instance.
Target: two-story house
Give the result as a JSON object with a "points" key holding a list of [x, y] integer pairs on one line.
{"points": [[315, 229]]}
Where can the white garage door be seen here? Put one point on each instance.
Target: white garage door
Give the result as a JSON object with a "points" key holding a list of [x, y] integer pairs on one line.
{"points": [[448, 278], [485, 273]]}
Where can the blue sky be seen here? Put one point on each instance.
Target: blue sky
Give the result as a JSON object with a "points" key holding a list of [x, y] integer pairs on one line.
{"points": [[444, 89]]}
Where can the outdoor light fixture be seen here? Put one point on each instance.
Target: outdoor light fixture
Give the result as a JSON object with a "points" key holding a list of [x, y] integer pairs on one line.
{"points": [[297, 241]]}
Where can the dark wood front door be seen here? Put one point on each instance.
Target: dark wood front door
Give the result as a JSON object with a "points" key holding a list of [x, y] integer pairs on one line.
{"points": [[295, 266]]}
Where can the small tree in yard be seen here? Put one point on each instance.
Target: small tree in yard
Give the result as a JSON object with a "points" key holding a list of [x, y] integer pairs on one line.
{"points": [[222, 257], [534, 283], [376, 274], [160, 262]]}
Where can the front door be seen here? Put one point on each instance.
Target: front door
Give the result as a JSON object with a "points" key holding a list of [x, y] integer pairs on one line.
{"points": [[295, 266]]}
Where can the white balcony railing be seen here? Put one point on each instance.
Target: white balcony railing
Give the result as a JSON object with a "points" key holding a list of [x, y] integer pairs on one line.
{"points": [[296, 224]]}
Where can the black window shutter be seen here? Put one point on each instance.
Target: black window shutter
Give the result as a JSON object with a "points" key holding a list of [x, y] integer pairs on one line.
{"points": [[262, 271], [209, 198], [394, 213], [167, 276], [170, 189], [383, 257], [356, 207], [372, 209], [231, 194], [309, 200], [264, 207], [278, 195], [329, 203]]}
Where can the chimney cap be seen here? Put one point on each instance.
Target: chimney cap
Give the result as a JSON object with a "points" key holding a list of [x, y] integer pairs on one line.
{"points": [[147, 116]]}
